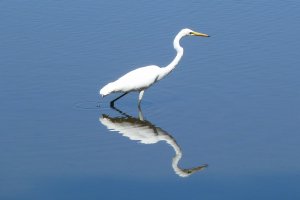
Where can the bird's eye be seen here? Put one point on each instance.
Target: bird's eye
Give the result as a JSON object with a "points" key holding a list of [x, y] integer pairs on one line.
{"points": [[191, 33]]}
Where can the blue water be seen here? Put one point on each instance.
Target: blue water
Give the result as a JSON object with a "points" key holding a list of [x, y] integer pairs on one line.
{"points": [[232, 103]]}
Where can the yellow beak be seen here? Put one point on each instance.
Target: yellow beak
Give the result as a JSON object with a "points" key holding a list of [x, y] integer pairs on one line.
{"points": [[199, 34]]}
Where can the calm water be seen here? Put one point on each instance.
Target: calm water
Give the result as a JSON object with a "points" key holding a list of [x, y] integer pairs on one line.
{"points": [[232, 103]]}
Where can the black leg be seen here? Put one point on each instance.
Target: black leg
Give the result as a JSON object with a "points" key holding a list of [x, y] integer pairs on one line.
{"points": [[112, 103], [121, 112]]}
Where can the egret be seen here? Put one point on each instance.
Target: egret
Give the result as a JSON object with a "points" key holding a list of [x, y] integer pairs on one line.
{"points": [[142, 78]]}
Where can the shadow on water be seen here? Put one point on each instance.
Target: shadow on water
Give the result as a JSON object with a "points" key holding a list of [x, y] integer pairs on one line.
{"points": [[139, 129]]}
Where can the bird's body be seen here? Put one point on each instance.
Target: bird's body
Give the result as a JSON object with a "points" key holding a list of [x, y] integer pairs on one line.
{"points": [[135, 80], [142, 78]]}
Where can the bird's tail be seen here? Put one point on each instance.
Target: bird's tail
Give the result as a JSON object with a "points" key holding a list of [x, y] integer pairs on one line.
{"points": [[107, 89]]}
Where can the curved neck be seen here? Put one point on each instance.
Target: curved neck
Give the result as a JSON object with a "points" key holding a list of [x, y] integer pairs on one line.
{"points": [[166, 70]]}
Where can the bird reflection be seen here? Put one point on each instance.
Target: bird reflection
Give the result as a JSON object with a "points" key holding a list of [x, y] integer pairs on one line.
{"points": [[139, 129]]}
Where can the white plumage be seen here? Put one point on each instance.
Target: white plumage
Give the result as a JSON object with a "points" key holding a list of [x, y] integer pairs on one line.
{"points": [[136, 80], [142, 78]]}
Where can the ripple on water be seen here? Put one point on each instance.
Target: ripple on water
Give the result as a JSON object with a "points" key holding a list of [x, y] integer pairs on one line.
{"points": [[91, 105]]}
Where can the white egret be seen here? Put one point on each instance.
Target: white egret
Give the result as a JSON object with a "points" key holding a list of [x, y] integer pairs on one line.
{"points": [[142, 78]]}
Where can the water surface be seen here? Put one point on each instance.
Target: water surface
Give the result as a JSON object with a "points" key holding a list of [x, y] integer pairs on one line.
{"points": [[232, 102]]}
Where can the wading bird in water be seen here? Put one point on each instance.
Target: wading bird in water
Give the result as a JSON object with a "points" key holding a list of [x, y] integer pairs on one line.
{"points": [[142, 78]]}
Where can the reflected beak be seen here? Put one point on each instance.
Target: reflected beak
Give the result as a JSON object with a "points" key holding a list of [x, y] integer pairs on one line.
{"points": [[199, 34]]}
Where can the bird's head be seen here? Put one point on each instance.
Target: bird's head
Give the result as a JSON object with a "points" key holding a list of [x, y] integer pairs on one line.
{"points": [[188, 31]]}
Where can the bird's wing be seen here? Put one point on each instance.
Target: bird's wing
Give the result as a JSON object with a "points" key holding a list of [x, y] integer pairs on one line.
{"points": [[137, 79]]}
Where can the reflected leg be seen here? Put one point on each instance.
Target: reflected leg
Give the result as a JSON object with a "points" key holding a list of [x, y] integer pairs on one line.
{"points": [[141, 116]]}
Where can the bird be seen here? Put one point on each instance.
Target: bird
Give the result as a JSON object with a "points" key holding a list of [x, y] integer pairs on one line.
{"points": [[140, 79]]}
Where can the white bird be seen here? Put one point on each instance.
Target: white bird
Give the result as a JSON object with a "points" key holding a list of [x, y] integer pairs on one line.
{"points": [[142, 78]]}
